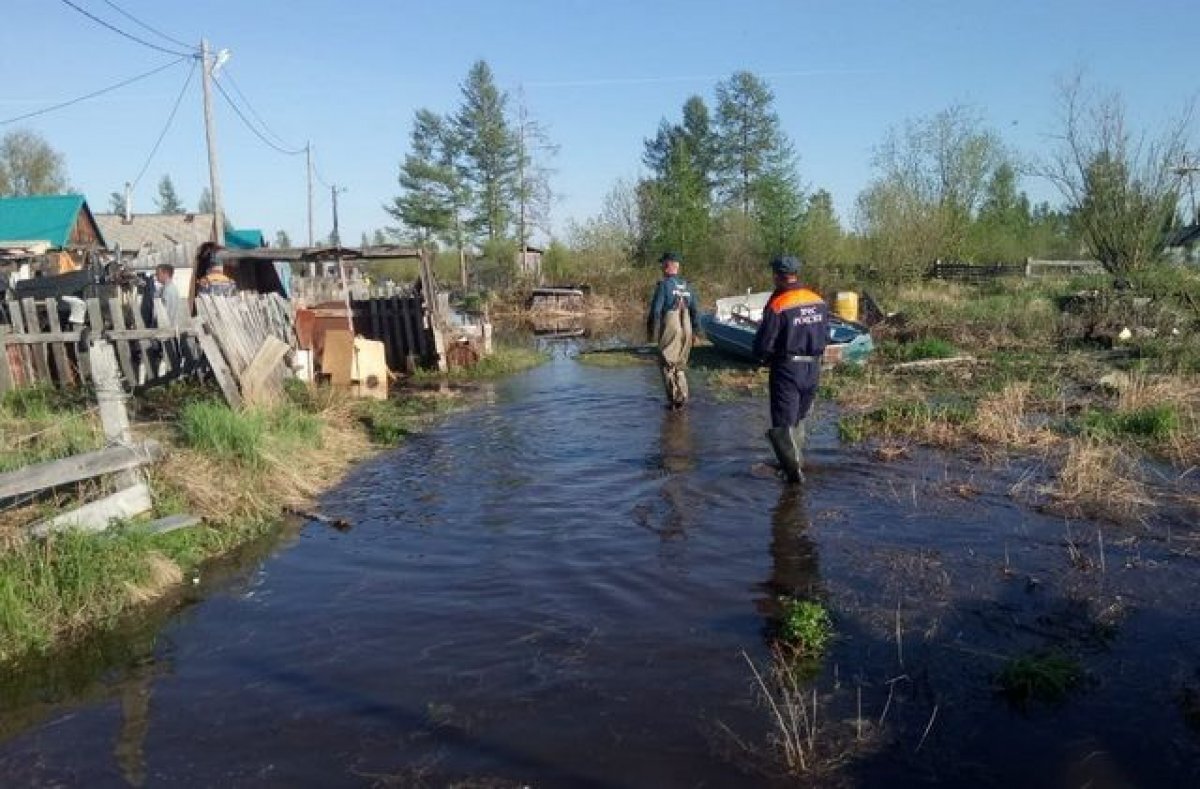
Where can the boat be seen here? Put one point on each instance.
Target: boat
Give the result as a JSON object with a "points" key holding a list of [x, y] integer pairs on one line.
{"points": [[730, 327]]}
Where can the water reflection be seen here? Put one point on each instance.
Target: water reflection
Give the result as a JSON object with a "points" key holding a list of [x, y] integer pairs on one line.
{"points": [[795, 569]]}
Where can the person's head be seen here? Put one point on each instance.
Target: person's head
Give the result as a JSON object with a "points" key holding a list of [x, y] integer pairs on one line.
{"points": [[786, 268], [670, 264], [164, 273]]}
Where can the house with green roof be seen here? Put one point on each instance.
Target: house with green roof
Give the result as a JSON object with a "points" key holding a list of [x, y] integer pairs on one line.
{"points": [[43, 222]]}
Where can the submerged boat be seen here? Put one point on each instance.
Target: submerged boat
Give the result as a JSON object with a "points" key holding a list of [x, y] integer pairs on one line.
{"points": [[730, 327]]}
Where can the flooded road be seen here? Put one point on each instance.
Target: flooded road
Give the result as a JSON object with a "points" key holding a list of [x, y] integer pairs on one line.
{"points": [[555, 588]]}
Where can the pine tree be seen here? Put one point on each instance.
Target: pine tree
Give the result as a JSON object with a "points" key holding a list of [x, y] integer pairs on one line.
{"points": [[488, 152], [168, 201], [282, 240], [116, 202], [750, 142], [429, 180]]}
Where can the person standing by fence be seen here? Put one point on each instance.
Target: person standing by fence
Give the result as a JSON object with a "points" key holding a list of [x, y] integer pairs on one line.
{"points": [[212, 280], [673, 322]]}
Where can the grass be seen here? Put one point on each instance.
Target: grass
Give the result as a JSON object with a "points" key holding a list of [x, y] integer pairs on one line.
{"points": [[388, 422], [505, 360], [916, 350], [617, 357], [40, 424], [1155, 423], [806, 626], [1040, 676]]}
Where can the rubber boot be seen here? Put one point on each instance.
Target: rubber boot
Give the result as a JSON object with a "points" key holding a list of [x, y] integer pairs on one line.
{"points": [[785, 453], [799, 434]]}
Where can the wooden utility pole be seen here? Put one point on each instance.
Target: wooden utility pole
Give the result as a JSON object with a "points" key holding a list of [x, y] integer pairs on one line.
{"points": [[308, 156], [207, 67]]}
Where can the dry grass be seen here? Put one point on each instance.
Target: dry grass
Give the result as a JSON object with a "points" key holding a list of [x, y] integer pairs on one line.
{"points": [[162, 574], [1004, 418], [288, 476], [1099, 480]]}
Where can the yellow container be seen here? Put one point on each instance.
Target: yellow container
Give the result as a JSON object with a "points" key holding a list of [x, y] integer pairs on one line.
{"points": [[845, 306]]}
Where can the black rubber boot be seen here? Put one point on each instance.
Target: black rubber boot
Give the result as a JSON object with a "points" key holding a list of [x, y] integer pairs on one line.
{"points": [[799, 434], [785, 453]]}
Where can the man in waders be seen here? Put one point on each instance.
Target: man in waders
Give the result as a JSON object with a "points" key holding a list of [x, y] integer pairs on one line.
{"points": [[673, 322], [791, 338]]}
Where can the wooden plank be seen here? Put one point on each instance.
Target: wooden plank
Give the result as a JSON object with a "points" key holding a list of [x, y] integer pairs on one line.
{"points": [[25, 374], [147, 334], [144, 345], [6, 376], [220, 369], [77, 468], [44, 338], [263, 370], [99, 515], [117, 316], [41, 357], [95, 317], [171, 523], [62, 362], [407, 343]]}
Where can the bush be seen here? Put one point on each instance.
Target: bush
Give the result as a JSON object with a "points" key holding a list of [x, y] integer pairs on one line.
{"points": [[806, 626], [1157, 422]]}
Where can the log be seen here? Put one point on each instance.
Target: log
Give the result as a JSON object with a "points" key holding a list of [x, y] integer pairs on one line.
{"points": [[98, 515], [924, 364], [77, 468]]}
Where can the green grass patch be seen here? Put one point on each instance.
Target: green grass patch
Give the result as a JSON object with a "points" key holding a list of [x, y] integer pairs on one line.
{"points": [[928, 348], [806, 626], [1040, 676], [245, 436], [39, 424], [903, 419], [1156, 423], [388, 422]]}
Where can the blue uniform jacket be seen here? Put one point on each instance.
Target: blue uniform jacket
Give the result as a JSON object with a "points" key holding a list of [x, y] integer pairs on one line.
{"points": [[667, 295], [795, 322]]}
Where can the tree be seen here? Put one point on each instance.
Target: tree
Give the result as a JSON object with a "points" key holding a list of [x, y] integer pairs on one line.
{"points": [[696, 132], [1119, 185], [1001, 230], [116, 202], [532, 194], [168, 202], [821, 235], [205, 206], [429, 181], [380, 238], [750, 143], [487, 151], [932, 177], [778, 209], [29, 166], [675, 207], [282, 240]]}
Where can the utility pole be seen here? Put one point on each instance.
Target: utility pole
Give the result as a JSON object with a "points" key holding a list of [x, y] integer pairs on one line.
{"points": [[308, 156], [208, 65], [335, 191], [1188, 169], [128, 202]]}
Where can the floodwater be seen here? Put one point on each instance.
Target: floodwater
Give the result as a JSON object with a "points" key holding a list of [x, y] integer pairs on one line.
{"points": [[557, 588]]}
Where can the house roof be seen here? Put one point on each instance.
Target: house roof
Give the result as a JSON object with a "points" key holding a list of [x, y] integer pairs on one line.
{"points": [[48, 218], [154, 232], [246, 238]]}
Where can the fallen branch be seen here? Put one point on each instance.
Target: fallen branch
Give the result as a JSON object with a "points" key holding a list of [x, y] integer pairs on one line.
{"points": [[922, 364]]}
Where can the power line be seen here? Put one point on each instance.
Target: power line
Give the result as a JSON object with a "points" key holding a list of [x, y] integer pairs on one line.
{"points": [[145, 26], [167, 125], [251, 126], [121, 32], [93, 94], [227, 74]]}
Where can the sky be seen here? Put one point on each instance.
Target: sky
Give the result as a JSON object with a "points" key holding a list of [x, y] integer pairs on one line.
{"points": [[599, 74]]}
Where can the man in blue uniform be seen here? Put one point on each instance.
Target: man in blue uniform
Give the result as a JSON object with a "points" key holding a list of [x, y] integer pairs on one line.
{"points": [[673, 322], [790, 339]]}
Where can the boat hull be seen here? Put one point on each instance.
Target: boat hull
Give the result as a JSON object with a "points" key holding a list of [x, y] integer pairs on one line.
{"points": [[848, 343]]}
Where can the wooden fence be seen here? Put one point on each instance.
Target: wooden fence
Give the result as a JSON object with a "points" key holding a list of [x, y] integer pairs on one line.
{"points": [[973, 272], [402, 324], [39, 343]]}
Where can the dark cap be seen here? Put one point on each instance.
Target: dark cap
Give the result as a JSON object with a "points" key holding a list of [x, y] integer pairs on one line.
{"points": [[668, 257], [786, 264]]}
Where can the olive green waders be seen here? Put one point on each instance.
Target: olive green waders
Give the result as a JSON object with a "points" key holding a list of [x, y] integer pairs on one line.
{"points": [[674, 345]]}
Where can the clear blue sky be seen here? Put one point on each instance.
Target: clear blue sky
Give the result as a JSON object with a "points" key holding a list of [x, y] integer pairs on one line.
{"points": [[600, 74]]}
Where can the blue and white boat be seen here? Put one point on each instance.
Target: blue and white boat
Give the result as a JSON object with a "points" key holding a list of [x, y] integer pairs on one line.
{"points": [[730, 327]]}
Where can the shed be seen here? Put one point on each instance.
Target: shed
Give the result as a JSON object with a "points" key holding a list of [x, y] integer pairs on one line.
{"points": [[147, 234], [60, 221]]}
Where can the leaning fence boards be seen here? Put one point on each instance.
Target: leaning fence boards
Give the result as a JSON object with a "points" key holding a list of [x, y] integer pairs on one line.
{"points": [[243, 326]]}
